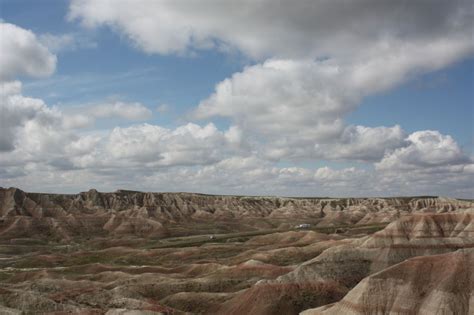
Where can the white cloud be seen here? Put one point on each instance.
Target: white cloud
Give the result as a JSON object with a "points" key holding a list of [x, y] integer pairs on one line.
{"points": [[30, 131], [195, 158], [324, 58], [426, 149], [264, 29], [19, 112], [355, 143], [131, 111], [362, 143], [298, 107], [76, 121], [23, 54], [66, 42], [85, 116], [41, 152], [387, 63], [156, 146], [35, 137], [282, 97], [253, 176]]}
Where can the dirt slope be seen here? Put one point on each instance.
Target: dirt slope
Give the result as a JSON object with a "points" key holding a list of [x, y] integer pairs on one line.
{"points": [[128, 213], [176, 253], [438, 284], [342, 267]]}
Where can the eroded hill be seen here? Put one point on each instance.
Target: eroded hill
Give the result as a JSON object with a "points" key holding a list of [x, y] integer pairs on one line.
{"points": [[176, 253], [129, 213]]}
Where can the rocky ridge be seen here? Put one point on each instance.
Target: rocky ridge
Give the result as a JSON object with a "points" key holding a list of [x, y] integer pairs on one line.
{"points": [[420, 285], [116, 259], [143, 214], [342, 267]]}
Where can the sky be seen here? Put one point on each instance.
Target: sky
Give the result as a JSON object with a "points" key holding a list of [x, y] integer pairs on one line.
{"points": [[289, 98]]}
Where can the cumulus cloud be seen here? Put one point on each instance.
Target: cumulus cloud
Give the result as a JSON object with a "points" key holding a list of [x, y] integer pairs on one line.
{"points": [[131, 111], [294, 92], [240, 175], [202, 158], [153, 145], [32, 134], [282, 97], [314, 64], [362, 143], [355, 143], [299, 107], [264, 29], [22, 54], [85, 116], [18, 111], [30, 123], [324, 58], [253, 176], [426, 149], [36, 138]]}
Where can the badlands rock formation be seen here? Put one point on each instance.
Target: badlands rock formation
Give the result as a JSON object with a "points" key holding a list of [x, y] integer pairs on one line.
{"points": [[177, 253], [344, 266], [92, 214], [438, 284]]}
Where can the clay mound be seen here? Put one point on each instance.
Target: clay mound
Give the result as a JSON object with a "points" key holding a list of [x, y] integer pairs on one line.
{"points": [[196, 302], [286, 238], [422, 234], [32, 275], [28, 300], [426, 230], [117, 261], [134, 222], [97, 268], [158, 287], [124, 311], [274, 298], [130, 213], [254, 268], [287, 255], [194, 270], [109, 273], [438, 284], [348, 264], [9, 311], [412, 236], [14, 227]]}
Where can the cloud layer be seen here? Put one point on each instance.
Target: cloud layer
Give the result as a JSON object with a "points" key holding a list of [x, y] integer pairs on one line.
{"points": [[312, 64], [264, 29], [426, 149], [22, 54], [85, 116], [41, 150]]}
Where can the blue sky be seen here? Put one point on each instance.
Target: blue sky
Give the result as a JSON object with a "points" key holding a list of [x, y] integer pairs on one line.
{"points": [[111, 61], [442, 101]]}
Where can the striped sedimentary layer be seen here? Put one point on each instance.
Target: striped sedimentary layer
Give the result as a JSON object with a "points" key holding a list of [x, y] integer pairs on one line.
{"points": [[438, 284], [345, 266], [63, 217]]}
